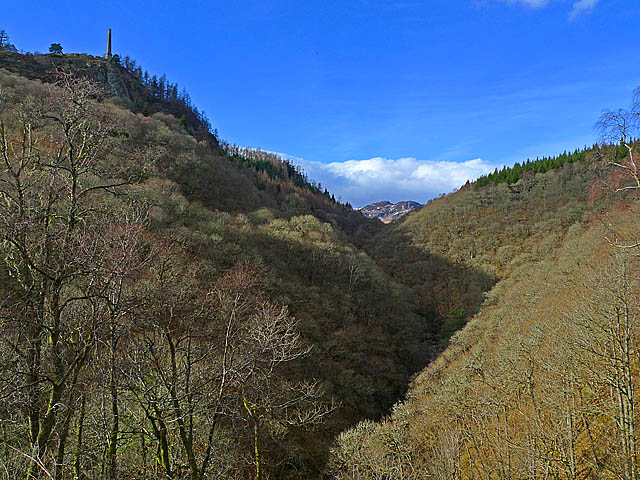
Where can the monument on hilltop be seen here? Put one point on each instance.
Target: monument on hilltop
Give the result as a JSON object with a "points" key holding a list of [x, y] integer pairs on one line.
{"points": [[108, 54]]}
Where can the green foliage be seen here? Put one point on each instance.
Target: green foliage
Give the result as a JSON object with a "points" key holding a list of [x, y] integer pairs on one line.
{"points": [[536, 382], [510, 175], [55, 48], [5, 42], [126, 84], [373, 304], [275, 167], [451, 253]]}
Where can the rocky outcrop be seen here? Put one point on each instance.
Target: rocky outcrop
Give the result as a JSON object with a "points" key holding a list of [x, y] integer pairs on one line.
{"points": [[116, 80]]}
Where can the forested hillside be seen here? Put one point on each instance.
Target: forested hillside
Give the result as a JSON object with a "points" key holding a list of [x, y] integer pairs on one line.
{"points": [[457, 247], [541, 382], [175, 309]]}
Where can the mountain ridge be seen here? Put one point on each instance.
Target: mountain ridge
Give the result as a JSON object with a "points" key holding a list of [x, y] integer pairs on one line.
{"points": [[387, 212]]}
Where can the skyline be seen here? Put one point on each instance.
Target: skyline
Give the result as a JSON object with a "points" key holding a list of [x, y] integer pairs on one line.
{"points": [[418, 95]]}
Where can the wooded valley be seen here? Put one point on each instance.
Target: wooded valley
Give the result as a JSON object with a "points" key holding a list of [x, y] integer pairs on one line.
{"points": [[174, 307]]}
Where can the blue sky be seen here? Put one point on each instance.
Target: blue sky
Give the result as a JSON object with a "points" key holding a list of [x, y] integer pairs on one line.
{"points": [[377, 99]]}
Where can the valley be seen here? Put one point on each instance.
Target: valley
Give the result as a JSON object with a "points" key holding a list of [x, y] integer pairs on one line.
{"points": [[173, 306]]}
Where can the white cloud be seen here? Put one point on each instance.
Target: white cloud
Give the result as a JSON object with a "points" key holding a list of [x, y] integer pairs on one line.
{"points": [[579, 6], [582, 6], [365, 181]]}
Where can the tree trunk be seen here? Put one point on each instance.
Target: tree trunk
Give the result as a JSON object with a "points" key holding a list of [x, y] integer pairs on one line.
{"points": [[112, 448], [79, 431]]}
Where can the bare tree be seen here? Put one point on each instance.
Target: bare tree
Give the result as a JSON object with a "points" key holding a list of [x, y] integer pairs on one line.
{"points": [[607, 341], [206, 365], [52, 233], [620, 127]]}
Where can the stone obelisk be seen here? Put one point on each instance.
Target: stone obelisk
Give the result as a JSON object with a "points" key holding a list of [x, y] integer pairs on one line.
{"points": [[108, 54]]}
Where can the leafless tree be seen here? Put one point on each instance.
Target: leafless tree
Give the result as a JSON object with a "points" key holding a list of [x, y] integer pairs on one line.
{"points": [[607, 340], [52, 237]]}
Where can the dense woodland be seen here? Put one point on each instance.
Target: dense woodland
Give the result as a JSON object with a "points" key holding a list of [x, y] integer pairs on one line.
{"points": [[169, 313], [541, 382], [174, 307], [511, 175]]}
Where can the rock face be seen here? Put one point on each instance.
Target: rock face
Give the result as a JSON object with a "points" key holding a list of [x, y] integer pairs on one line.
{"points": [[387, 212], [118, 82]]}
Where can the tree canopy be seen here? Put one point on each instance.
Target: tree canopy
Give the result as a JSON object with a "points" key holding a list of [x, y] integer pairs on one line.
{"points": [[55, 48]]}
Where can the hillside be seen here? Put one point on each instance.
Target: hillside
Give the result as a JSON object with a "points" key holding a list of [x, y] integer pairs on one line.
{"points": [[457, 247], [122, 86], [130, 237], [540, 382], [172, 306]]}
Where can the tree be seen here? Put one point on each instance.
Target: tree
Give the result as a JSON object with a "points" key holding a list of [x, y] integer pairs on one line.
{"points": [[5, 43], [52, 241], [619, 127], [163, 87], [55, 48], [155, 87], [608, 325], [205, 368]]}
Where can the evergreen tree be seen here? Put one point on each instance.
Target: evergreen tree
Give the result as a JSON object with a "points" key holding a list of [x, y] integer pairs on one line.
{"points": [[162, 87], [155, 88], [4, 38], [55, 48]]}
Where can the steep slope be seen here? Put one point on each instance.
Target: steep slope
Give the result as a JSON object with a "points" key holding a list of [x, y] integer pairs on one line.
{"points": [[455, 248], [120, 85], [486, 405], [174, 307], [192, 229], [538, 383]]}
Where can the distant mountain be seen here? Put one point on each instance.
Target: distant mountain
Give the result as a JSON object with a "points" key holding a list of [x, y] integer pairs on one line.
{"points": [[387, 212]]}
